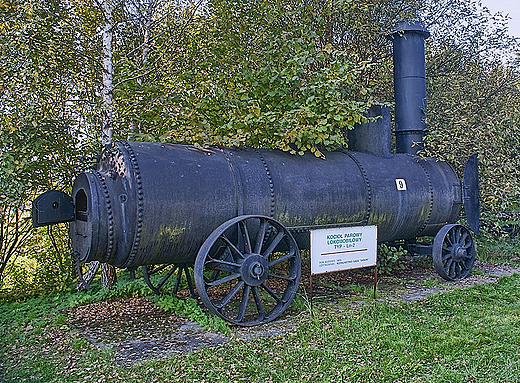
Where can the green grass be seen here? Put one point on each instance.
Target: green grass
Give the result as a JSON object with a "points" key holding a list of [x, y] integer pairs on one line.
{"points": [[498, 251], [431, 282], [468, 335]]}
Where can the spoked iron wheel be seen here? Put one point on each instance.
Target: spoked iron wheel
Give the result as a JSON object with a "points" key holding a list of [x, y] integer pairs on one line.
{"points": [[248, 270], [168, 270], [453, 252]]}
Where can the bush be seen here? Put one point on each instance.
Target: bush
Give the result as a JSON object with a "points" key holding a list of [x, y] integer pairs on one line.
{"points": [[44, 266]]}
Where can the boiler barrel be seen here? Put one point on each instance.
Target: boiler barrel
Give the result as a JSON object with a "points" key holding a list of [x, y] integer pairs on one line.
{"points": [[151, 203]]}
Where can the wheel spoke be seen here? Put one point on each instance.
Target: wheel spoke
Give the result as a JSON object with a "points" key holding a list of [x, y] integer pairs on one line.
{"points": [[282, 258], [446, 255], [221, 262], [147, 273], [245, 235], [230, 295], [458, 234], [190, 282], [463, 238], [276, 241], [223, 252], [451, 269], [271, 293], [222, 280], [449, 238], [289, 278], [178, 281], [86, 278], [214, 276], [258, 301], [232, 246], [457, 269], [157, 269], [260, 237], [243, 303]]}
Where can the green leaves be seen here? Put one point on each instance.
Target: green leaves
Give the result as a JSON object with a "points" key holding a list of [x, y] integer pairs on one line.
{"points": [[475, 110], [389, 258], [473, 96], [258, 76], [40, 127]]}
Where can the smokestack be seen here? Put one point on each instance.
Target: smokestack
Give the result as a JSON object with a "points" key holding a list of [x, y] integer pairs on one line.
{"points": [[409, 86]]}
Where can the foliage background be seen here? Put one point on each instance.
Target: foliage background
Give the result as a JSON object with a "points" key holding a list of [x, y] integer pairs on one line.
{"points": [[272, 73]]}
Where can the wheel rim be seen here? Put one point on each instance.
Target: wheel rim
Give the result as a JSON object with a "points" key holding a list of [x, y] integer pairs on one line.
{"points": [[453, 252], [248, 270]]}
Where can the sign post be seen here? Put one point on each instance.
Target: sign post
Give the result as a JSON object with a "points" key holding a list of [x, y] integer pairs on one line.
{"points": [[343, 248]]}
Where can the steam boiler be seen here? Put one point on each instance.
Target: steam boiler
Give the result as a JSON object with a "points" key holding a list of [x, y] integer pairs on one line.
{"points": [[239, 216]]}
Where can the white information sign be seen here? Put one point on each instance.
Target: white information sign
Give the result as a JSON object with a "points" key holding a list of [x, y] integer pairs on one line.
{"points": [[343, 248], [400, 184]]}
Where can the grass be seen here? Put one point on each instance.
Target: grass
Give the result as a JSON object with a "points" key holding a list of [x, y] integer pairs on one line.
{"points": [[468, 335], [495, 244], [498, 251], [431, 282]]}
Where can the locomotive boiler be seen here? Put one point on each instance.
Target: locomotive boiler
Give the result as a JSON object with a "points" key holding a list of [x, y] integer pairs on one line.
{"points": [[239, 216]]}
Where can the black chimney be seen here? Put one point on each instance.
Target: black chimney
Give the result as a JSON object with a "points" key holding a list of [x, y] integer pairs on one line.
{"points": [[409, 86]]}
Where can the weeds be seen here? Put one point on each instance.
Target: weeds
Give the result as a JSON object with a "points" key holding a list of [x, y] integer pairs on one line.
{"points": [[498, 241], [301, 302], [389, 258], [504, 251], [190, 309]]}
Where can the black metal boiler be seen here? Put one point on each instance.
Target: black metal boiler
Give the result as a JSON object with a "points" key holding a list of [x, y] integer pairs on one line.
{"points": [[239, 215]]}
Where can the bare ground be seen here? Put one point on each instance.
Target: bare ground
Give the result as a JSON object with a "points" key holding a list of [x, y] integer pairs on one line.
{"points": [[138, 330]]}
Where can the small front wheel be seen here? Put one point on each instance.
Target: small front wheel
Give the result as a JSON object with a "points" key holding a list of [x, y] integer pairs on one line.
{"points": [[453, 252], [248, 270]]}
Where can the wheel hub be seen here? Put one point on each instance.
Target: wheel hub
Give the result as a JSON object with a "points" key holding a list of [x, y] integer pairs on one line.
{"points": [[254, 270], [459, 253]]}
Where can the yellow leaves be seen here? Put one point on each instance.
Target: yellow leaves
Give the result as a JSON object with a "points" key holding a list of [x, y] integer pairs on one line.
{"points": [[317, 152]]}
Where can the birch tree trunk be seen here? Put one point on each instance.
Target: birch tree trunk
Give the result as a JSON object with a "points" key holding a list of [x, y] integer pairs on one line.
{"points": [[108, 272], [108, 75]]}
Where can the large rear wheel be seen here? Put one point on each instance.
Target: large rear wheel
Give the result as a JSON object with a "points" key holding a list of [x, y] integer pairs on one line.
{"points": [[248, 270]]}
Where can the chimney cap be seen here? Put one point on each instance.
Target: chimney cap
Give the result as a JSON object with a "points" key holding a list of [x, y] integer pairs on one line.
{"points": [[408, 26]]}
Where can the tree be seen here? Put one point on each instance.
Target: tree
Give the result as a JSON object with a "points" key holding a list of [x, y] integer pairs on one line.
{"points": [[473, 96], [277, 73], [54, 106], [38, 149]]}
